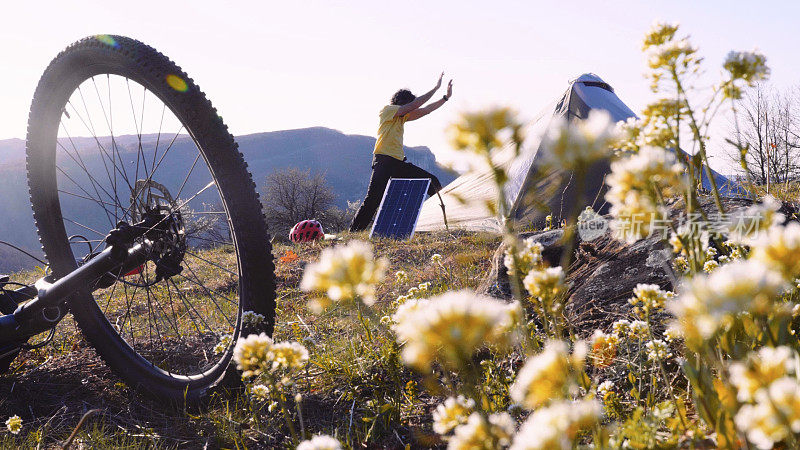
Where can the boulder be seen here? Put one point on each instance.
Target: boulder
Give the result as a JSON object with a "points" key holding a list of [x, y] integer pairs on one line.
{"points": [[604, 271], [496, 283]]}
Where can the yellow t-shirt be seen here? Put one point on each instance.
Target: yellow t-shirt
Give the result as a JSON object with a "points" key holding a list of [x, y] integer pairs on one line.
{"points": [[390, 133]]}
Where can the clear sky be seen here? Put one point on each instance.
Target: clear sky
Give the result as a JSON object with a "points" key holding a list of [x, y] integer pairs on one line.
{"points": [[273, 65]]}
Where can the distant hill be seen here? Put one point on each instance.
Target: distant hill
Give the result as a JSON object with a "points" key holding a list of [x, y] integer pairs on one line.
{"points": [[343, 159]]}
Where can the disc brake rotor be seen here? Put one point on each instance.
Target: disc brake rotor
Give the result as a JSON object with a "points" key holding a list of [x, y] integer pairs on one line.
{"points": [[152, 198]]}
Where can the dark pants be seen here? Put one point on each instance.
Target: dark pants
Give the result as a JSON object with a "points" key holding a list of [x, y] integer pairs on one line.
{"points": [[383, 168]]}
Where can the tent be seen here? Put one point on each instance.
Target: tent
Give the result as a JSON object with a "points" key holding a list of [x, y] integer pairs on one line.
{"points": [[533, 191]]}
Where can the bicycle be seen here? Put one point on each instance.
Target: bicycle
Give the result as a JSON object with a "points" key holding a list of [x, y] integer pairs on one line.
{"points": [[155, 239]]}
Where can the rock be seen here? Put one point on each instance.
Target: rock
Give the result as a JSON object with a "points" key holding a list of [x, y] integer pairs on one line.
{"points": [[496, 283], [602, 283], [604, 271]]}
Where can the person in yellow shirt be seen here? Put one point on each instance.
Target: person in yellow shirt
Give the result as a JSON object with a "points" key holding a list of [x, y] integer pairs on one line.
{"points": [[389, 159]]}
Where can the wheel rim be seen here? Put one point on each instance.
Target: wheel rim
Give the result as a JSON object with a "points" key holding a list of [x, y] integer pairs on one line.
{"points": [[121, 151]]}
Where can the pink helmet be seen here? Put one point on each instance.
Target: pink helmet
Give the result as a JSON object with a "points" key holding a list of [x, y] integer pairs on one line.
{"points": [[307, 230]]}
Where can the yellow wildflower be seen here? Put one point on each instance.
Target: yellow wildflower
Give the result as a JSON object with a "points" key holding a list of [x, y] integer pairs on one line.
{"points": [[546, 376], [604, 349], [288, 355], [779, 248]]}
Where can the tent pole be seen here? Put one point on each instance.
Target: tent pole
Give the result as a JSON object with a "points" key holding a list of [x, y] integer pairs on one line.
{"points": [[444, 214]]}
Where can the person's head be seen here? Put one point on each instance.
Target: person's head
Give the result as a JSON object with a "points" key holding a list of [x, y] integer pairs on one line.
{"points": [[403, 97]]}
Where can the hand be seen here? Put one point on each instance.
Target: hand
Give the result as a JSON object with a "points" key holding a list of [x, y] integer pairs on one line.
{"points": [[439, 83], [449, 89]]}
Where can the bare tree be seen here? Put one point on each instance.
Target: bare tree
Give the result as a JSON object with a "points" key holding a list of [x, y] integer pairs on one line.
{"points": [[205, 228], [292, 195], [769, 128]]}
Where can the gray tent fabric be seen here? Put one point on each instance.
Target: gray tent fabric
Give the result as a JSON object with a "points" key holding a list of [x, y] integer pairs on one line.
{"points": [[533, 191]]}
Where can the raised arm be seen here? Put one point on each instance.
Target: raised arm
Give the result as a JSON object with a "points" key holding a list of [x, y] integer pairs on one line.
{"points": [[421, 112], [419, 101]]}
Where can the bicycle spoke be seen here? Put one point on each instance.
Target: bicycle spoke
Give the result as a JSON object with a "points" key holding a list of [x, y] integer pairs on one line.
{"points": [[196, 213], [115, 162], [83, 226], [110, 123], [211, 263], [103, 153], [139, 151], [209, 240], [173, 323], [190, 305], [85, 198], [208, 292], [78, 185], [154, 322], [163, 155], [79, 161], [111, 294], [191, 169]]}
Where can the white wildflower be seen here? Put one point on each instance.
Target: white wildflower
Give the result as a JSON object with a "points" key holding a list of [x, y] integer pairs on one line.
{"points": [[557, 426], [251, 354], [252, 318], [452, 326], [778, 248], [604, 388], [401, 276], [14, 424], [453, 412], [708, 300], [320, 442], [672, 334], [621, 327], [650, 296], [710, 265], [639, 329], [260, 392], [760, 369], [224, 341], [545, 283], [480, 433], [657, 350], [288, 355], [775, 414], [579, 143], [346, 272], [528, 257], [635, 186], [750, 67]]}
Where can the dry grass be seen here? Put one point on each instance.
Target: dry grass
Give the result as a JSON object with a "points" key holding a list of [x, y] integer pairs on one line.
{"points": [[53, 387]]}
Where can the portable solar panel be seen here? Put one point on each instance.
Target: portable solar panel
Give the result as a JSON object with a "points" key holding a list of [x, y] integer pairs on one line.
{"points": [[400, 207]]}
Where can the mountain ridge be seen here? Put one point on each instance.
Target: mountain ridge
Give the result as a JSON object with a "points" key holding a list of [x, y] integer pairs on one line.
{"points": [[344, 159]]}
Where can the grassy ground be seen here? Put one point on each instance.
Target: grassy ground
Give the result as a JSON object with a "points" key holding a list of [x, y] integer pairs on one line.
{"points": [[347, 390]]}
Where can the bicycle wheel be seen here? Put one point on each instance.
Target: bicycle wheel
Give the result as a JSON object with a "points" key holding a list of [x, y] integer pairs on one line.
{"points": [[117, 131]]}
